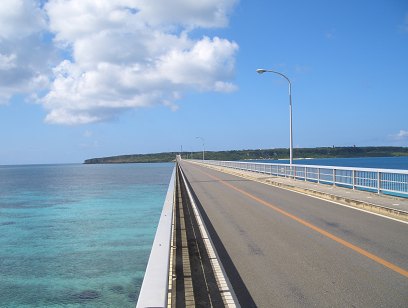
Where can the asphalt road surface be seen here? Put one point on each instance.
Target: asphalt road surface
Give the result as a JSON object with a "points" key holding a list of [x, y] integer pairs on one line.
{"points": [[284, 249]]}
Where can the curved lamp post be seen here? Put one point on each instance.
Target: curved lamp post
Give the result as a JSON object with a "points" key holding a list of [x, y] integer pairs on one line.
{"points": [[261, 71], [202, 140]]}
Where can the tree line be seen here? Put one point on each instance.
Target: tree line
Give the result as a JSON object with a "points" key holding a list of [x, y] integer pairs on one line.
{"points": [[271, 154]]}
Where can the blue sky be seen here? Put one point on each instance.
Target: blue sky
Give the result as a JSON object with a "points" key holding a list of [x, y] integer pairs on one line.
{"points": [[143, 77]]}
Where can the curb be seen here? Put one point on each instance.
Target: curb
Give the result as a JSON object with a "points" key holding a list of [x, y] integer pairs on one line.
{"points": [[374, 208]]}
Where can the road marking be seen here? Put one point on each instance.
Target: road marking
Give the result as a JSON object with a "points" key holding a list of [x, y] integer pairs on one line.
{"points": [[333, 237], [349, 206], [308, 195], [224, 285]]}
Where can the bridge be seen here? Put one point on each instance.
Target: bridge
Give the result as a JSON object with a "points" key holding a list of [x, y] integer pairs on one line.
{"points": [[251, 235]]}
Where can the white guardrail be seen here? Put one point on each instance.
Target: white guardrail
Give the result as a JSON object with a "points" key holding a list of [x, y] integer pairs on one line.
{"points": [[385, 181], [155, 283]]}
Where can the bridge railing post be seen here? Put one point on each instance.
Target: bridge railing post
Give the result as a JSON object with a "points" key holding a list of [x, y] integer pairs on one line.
{"points": [[354, 179]]}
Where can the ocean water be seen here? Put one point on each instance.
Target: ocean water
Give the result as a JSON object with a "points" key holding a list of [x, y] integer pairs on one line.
{"points": [[361, 162], [77, 235]]}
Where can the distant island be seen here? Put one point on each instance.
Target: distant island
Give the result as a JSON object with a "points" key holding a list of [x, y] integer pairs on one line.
{"points": [[323, 152]]}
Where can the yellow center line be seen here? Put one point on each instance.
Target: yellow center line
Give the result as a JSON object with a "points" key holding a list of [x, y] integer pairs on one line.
{"points": [[339, 240]]}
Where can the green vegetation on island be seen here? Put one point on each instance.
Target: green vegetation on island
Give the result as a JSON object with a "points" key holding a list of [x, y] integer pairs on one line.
{"points": [[323, 152]]}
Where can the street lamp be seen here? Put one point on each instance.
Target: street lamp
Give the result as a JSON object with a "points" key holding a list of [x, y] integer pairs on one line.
{"points": [[261, 71], [202, 140]]}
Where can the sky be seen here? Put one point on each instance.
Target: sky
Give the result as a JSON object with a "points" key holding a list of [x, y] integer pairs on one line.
{"points": [[92, 78]]}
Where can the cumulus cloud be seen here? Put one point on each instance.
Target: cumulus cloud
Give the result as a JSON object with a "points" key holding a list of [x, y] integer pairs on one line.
{"points": [[132, 53], [207, 14], [20, 18], [24, 54], [401, 135], [113, 55]]}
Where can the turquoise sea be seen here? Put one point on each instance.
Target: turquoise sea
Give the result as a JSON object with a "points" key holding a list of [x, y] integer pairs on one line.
{"points": [[358, 162], [80, 235], [77, 235]]}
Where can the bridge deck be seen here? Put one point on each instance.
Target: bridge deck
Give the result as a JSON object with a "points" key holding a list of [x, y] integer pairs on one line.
{"points": [[388, 205], [281, 248]]}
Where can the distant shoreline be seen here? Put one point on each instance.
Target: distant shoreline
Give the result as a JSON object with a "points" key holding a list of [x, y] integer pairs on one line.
{"points": [[261, 154]]}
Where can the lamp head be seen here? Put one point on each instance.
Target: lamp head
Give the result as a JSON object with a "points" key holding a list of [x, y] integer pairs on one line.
{"points": [[261, 70]]}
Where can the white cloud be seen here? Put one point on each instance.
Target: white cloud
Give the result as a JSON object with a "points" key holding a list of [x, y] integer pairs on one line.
{"points": [[199, 66], [24, 55], [7, 61], [116, 54], [130, 54], [20, 18], [401, 135], [206, 14]]}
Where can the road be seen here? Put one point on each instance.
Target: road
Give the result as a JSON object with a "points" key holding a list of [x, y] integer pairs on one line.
{"points": [[283, 249]]}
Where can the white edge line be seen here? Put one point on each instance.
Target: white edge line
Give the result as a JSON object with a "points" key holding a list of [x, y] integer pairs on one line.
{"points": [[320, 198], [221, 276]]}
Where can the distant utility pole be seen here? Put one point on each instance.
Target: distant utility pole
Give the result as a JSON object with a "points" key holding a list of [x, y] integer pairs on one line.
{"points": [[202, 140]]}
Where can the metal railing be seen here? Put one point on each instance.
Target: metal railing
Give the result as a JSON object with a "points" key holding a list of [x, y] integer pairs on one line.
{"points": [[154, 289], [382, 181]]}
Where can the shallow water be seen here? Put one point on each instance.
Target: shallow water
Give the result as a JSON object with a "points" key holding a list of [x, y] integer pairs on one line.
{"points": [[77, 235]]}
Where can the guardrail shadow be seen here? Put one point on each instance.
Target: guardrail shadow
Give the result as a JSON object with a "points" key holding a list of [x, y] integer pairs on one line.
{"points": [[244, 297]]}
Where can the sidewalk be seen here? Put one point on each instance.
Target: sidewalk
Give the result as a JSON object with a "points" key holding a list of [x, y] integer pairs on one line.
{"points": [[383, 204]]}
